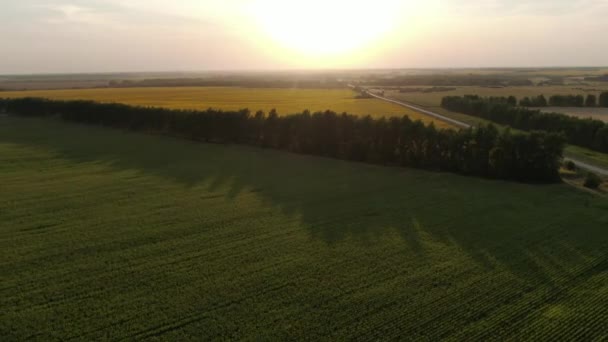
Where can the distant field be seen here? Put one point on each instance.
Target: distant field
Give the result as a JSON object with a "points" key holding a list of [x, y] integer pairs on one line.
{"points": [[111, 235], [285, 101], [433, 100], [584, 112], [542, 72]]}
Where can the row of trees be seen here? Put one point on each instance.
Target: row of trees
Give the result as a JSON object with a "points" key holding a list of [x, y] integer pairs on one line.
{"points": [[565, 101], [604, 99], [571, 100], [447, 80], [482, 151], [534, 101], [232, 81], [583, 132]]}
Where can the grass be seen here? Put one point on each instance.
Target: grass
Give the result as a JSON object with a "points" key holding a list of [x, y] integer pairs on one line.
{"points": [[285, 101], [578, 177], [114, 235]]}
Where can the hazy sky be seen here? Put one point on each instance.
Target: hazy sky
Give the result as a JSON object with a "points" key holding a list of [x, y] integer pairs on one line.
{"points": [[159, 35]]}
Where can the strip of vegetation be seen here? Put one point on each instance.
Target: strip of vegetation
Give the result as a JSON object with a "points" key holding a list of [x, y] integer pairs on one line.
{"points": [[252, 82], [448, 80], [604, 99], [425, 90], [566, 101], [588, 133], [603, 78], [482, 151]]}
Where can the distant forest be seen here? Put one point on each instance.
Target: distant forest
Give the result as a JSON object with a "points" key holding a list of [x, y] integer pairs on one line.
{"points": [[482, 151], [590, 100], [451, 80], [588, 133], [330, 82], [229, 82], [493, 78]]}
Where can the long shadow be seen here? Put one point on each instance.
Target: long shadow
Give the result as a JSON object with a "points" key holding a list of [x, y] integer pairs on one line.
{"points": [[494, 223]]}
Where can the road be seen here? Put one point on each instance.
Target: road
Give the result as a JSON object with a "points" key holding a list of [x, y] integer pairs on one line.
{"points": [[581, 164], [423, 111], [588, 167]]}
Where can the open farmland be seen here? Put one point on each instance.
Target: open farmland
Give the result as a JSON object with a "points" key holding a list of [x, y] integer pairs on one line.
{"points": [[285, 101], [115, 235]]}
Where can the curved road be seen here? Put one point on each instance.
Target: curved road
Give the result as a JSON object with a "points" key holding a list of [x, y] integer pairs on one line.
{"points": [[581, 164]]}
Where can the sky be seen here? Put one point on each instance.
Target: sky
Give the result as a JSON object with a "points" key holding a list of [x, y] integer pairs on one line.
{"points": [[73, 36]]}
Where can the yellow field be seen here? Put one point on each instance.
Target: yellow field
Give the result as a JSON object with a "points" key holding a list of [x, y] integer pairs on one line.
{"points": [[285, 101]]}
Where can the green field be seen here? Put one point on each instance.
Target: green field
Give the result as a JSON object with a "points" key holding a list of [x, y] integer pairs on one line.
{"points": [[114, 235], [285, 101]]}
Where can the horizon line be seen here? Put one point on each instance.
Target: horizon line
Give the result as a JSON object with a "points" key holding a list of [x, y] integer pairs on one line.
{"points": [[280, 70]]}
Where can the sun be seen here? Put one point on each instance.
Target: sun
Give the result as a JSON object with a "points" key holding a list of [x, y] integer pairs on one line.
{"points": [[325, 28]]}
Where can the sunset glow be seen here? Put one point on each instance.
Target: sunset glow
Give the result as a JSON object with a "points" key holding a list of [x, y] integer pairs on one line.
{"points": [[324, 29], [144, 35]]}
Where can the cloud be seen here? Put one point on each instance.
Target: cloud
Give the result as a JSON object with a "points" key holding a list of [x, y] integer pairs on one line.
{"points": [[527, 7], [104, 13]]}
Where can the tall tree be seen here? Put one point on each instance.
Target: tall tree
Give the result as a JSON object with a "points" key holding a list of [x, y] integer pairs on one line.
{"points": [[604, 99]]}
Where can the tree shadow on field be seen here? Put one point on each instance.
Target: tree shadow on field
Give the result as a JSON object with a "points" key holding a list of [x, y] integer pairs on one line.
{"points": [[494, 223]]}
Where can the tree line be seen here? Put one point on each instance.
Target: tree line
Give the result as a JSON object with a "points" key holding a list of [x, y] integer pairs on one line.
{"points": [[588, 133], [604, 99], [482, 151], [565, 101], [447, 80], [250, 82]]}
